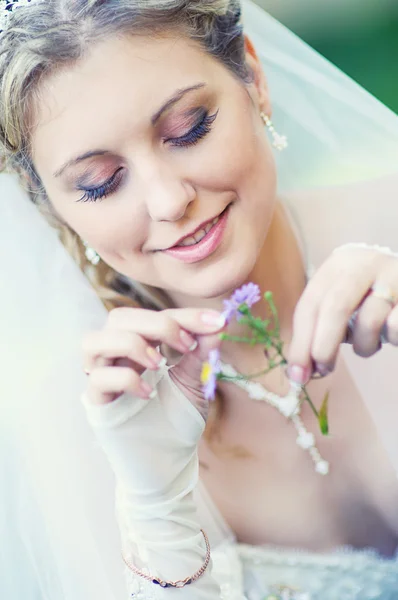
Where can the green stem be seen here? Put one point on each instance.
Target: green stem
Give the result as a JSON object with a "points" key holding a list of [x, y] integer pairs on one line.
{"points": [[236, 338], [269, 298], [308, 399], [246, 377], [265, 372]]}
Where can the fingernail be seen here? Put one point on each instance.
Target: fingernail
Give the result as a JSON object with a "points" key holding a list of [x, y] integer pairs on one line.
{"points": [[323, 369], [155, 357], [299, 374], [189, 342], [146, 390], [214, 319]]}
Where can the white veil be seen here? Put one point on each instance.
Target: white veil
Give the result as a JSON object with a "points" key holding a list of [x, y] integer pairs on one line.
{"points": [[338, 133], [58, 534]]}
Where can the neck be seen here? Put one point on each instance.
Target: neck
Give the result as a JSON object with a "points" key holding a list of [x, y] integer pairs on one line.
{"points": [[279, 269]]}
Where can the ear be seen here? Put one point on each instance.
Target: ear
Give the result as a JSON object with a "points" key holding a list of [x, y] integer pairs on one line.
{"points": [[259, 84]]}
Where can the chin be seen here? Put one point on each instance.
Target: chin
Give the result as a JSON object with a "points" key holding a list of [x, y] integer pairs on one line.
{"points": [[222, 278]]}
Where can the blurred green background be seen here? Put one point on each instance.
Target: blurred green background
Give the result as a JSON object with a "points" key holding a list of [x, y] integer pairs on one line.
{"points": [[359, 36]]}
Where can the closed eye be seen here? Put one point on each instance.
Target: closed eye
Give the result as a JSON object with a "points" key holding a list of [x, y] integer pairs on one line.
{"points": [[99, 193], [197, 133]]}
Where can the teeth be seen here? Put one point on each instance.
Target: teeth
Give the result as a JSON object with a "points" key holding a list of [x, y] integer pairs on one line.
{"points": [[190, 241], [209, 226], [199, 235]]}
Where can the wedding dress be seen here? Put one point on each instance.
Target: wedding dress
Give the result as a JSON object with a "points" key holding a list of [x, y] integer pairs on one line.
{"points": [[59, 536], [345, 574]]}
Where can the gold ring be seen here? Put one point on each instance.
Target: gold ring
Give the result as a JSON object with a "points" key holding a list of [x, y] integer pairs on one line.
{"points": [[384, 292]]}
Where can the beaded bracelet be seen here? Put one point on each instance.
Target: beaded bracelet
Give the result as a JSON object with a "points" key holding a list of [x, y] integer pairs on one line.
{"points": [[175, 584], [381, 249]]}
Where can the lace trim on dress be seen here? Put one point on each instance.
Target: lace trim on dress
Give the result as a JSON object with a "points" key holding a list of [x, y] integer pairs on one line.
{"points": [[345, 573]]}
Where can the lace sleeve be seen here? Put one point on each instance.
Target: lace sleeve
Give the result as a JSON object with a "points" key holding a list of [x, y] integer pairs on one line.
{"points": [[152, 448]]}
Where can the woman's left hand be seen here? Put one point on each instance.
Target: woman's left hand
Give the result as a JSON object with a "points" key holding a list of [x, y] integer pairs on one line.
{"points": [[351, 279]]}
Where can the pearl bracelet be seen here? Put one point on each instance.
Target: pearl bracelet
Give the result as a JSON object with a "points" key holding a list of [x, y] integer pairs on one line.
{"points": [[381, 249], [175, 584]]}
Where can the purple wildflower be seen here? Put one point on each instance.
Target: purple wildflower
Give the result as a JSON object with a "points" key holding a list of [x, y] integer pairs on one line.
{"points": [[210, 370], [248, 294], [230, 310]]}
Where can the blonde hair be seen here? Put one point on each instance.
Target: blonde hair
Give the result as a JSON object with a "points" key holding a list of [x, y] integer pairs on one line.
{"points": [[47, 35]]}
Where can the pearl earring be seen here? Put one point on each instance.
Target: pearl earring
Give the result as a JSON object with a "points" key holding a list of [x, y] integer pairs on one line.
{"points": [[278, 141], [91, 255]]}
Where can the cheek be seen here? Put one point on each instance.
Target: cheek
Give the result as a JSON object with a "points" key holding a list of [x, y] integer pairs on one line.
{"points": [[112, 227], [238, 157], [114, 233]]}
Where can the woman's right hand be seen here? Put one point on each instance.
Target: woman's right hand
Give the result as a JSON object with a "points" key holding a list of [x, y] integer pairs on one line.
{"points": [[150, 436], [116, 356]]}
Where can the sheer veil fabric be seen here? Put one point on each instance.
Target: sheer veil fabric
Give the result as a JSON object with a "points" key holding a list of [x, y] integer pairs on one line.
{"points": [[59, 536]]}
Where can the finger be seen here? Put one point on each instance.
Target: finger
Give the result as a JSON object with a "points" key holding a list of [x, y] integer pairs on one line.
{"points": [[173, 327], [192, 363], [200, 322], [113, 344], [107, 383], [304, 321], [390, 328], [153, 326], [368, 326], [333, 318], [321, 319], [196, 321]]}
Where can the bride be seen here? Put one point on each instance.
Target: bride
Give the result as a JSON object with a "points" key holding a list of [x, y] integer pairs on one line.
{"points": [[148, 133]]}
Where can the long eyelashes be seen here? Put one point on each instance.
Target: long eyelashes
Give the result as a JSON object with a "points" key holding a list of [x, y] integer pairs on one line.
{"points": [[107, 188], [197, 133]]}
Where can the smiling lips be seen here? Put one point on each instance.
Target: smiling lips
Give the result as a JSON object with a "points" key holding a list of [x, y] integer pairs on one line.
{"points": [[198, 235], [202, 243]]}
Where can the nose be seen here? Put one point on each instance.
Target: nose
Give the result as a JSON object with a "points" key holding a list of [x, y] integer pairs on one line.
{"points": [[167, 195]]}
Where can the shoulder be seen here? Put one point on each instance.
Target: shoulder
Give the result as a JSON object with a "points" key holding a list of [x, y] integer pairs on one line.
{"points": [[365, 211]]}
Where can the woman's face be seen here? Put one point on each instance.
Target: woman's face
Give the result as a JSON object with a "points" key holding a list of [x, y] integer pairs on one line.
{"points": [[148, 140]]}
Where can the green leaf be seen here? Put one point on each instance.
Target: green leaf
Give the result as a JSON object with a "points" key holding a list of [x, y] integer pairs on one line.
{"points": [[259, 325], [323, 415]]}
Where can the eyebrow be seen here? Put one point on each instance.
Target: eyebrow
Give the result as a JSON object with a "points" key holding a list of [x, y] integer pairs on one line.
{"points": [[166, 106]]}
